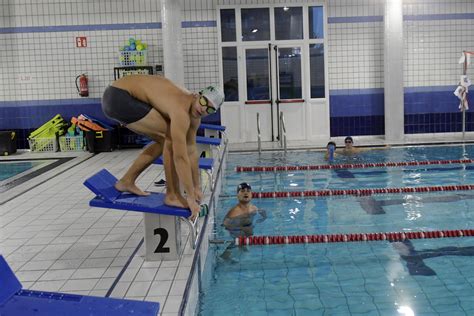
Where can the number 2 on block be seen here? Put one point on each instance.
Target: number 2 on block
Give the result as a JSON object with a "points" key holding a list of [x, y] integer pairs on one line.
{"points": [[163, 238]]}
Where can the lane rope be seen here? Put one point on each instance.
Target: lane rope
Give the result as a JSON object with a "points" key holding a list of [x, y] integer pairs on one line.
{"points": [[352, 165], [362, 192], [330, 238]]}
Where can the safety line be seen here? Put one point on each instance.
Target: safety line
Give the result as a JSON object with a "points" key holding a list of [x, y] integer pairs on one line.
{"points": [[363, 192], [330, 238], [351, 165]]}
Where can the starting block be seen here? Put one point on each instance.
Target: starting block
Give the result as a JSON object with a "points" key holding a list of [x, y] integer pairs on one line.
{"points": [[162, 229], [206, 144], [18, 302], [205, 164], [212, 130]]}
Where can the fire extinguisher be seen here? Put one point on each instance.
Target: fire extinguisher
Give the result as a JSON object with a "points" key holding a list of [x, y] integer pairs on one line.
{"points": [[82, 88]]}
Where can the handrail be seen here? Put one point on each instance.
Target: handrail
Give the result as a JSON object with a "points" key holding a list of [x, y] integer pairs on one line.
{"points": [[282, 132], [196, 264], [259, 137]]}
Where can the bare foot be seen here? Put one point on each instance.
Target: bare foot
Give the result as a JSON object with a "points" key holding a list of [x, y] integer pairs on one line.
{"points": [[132, 188], [176, 201]]}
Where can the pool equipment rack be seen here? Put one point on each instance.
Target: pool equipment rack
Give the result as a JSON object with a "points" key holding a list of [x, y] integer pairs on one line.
{"points": [[331, 238], [362, 192], [352, 166]]}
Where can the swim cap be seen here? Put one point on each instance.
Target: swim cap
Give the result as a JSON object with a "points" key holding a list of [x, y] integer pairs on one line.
{"points": [[243, 185], [214, 95]]}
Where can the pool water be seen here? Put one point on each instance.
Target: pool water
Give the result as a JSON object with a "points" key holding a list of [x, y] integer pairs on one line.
{"points": [[10, 169], [425, 277]]}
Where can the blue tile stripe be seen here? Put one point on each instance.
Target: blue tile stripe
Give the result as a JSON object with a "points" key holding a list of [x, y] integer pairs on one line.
{"points": [[187, 24], [335, 92], [355, 19], [213, 23], [418, 17], [101, 27], [82, 28], [434, 17], [58, 102]]}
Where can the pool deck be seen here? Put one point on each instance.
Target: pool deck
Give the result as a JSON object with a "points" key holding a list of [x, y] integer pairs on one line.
{"points": [[54, 241]]}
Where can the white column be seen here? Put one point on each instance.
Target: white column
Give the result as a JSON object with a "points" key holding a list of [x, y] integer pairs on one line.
{"points": [[393, 70], [171, 17]]}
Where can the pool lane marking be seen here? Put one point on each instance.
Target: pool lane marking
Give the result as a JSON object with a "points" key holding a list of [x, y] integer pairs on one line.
{"points": [[362, 192], [331, 238], [351, 165]]}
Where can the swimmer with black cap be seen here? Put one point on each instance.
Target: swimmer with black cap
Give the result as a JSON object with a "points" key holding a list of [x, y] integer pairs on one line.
{"points": [[239, 220]]}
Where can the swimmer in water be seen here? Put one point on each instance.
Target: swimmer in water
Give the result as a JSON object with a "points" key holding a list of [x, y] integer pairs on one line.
{"points": [[239, 220]]}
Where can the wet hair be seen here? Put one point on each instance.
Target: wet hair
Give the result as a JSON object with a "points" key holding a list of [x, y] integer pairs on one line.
{"points": [[348, 138], [331, 143], [243, 185]]}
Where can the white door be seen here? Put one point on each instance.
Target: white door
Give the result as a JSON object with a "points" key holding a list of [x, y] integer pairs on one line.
{"points": [[274, 85], [269, 66]]}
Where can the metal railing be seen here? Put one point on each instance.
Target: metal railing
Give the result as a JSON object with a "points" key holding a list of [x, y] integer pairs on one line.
{"points": [[259, 136], [282, 132]]}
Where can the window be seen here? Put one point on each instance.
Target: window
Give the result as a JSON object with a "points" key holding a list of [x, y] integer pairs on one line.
{"points": [[316, 68], [255, 24], [288, 23], [228, 25], [229, 65], [257, 74], [316, 22]]}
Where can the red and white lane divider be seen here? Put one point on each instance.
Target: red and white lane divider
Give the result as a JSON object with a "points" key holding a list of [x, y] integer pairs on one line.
{"points": [[352, 165], [390, 236], [363, 192]]}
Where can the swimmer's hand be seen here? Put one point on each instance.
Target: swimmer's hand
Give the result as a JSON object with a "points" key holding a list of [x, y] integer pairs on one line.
{"points": [[263, 215], [198, 194], [194, 207]]}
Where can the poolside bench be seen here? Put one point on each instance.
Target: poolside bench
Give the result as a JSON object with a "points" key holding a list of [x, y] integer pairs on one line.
{"points": [[162, 229], [16, 301]]}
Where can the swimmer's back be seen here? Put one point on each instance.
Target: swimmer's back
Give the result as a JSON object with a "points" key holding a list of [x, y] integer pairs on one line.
{"points": [[157, 91]]}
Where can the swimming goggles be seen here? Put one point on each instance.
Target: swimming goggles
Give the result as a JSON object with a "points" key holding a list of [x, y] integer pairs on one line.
{"points": [[209, 109]]}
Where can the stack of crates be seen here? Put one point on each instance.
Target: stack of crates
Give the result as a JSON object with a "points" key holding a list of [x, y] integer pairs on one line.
{"points": [[44, 139]]}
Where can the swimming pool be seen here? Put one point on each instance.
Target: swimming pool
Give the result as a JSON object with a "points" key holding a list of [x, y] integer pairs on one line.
{"points": [[15, 172], [426, 277]]}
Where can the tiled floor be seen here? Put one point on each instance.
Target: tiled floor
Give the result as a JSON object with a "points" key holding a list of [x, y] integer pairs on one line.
{"points": [[54, 241]]}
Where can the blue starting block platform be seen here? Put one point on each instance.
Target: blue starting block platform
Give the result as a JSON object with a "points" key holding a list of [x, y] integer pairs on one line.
{"points": [[204, 163], [212, 130], [207, 144], [162, 229], [14, 301]]}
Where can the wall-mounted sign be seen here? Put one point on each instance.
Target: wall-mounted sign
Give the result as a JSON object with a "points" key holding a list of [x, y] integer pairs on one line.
{"points": [[81, 41]]}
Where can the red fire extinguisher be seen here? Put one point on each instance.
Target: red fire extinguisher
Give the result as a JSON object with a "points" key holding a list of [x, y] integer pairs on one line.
{"points": [[82, 88]]}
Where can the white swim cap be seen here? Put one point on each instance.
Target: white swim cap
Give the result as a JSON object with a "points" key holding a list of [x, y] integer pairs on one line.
{"points": [[214, 95]]}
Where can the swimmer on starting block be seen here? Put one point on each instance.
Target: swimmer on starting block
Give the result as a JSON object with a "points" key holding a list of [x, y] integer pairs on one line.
{"points": [[239, 220], [170, 115]]}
